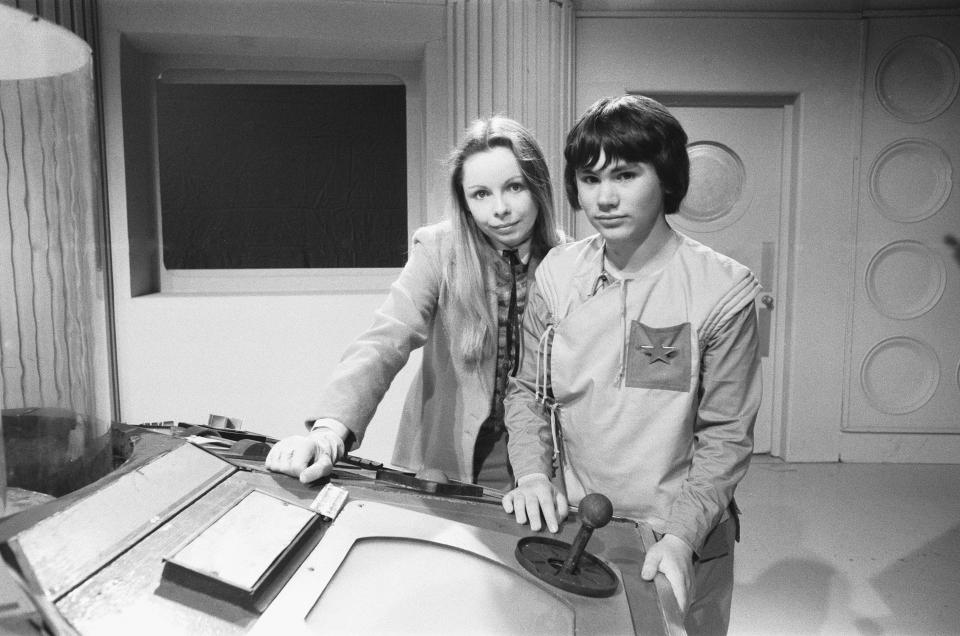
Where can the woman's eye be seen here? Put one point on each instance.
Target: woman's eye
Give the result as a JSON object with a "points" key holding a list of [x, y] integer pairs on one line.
{"points": [[588, 178], [480, 194], [626, 176], [517, 187]]}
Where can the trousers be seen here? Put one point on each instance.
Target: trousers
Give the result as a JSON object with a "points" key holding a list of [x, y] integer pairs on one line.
{"points": [[709, 612]]}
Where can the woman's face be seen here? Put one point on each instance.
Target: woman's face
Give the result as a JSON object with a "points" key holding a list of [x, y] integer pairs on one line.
{"points": [[498, 197]]}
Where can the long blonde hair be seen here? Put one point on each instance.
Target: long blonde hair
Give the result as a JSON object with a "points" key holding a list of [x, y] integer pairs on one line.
{"points": [[471, 257]]}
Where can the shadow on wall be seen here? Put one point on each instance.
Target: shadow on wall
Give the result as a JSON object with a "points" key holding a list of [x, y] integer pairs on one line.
{"points": [[954, 244]]}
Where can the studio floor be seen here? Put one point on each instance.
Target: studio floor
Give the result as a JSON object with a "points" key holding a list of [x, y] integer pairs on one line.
{"points": [[842, 549]]}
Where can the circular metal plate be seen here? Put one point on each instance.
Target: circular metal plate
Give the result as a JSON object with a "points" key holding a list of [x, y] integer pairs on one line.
{"points": [[917, 79], [905, 279], [911, 180], [717, 183], [899, 375], [543, 557]]}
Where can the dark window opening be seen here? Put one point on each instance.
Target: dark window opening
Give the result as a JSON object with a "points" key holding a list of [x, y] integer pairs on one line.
{"points": [[257, 176]]}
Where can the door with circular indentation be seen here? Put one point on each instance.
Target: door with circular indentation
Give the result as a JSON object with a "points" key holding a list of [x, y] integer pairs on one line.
{"points": [[734, 205], [904, 379]]}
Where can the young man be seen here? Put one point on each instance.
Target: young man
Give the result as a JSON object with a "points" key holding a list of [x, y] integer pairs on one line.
{"points": [[640, 365]]}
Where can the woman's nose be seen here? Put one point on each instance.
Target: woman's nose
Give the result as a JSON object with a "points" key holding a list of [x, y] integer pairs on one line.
{"points": [[500, 207]]}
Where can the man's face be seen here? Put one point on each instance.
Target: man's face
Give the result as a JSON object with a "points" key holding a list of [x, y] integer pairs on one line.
{"points": [[622, 200]]}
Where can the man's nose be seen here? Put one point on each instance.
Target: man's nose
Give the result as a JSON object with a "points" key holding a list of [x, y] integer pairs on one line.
{"points": [[606, 195]]}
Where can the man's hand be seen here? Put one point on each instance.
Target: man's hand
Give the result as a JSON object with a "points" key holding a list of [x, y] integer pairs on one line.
{"points": [[533, 496], [674, 557], [308, 457]]}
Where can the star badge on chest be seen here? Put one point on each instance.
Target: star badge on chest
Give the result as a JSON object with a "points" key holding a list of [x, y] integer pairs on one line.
{"points": [[658, 352]]}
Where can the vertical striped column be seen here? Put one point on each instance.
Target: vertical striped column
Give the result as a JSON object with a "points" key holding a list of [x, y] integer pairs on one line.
{"points": [[48, 249], [514, 58], [46, 241]]}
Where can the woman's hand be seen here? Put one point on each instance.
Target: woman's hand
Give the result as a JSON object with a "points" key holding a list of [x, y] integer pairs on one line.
{"points": [[308, 457], [674, 557], [535, 496]]}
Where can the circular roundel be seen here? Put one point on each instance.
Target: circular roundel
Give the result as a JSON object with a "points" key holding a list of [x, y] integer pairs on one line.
{"points": [[899, 375], [910, 180], [917, 79], [905, 279], [717, 182]]}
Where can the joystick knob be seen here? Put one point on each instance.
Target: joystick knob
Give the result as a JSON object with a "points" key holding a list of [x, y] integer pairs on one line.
{"points": [[569, 566], [595, 512]]}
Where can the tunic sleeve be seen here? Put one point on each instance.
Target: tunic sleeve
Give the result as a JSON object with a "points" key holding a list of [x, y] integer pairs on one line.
{"points": [[730, 391], [401, 324], [530, 443]]}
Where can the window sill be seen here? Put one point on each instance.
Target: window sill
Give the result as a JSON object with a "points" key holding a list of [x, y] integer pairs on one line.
{"points": [[264, 281]]}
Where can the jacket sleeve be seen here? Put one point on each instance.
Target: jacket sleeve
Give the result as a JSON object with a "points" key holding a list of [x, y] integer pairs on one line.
{"points": [[730, 391], [530, 444], [401, 324]]}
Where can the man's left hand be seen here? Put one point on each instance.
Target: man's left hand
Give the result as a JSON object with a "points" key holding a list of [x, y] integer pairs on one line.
{"points": [[674, 557]]}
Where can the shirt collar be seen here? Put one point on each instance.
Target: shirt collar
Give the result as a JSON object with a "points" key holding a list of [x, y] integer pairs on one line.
{"points": [[523, 251], [655, 264]]}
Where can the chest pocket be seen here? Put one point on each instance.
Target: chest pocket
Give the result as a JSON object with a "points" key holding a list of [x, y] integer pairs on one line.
{"points": [[658, 357]]}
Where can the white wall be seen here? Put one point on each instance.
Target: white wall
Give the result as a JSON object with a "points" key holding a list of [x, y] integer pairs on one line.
{"points": [[260, 357]]}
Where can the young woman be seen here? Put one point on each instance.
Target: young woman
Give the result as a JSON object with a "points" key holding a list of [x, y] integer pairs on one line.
{"points": [[460, 297], [642, 348]]}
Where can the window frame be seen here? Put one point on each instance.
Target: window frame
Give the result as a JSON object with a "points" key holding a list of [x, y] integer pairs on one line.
{"points": [[213, 70]]}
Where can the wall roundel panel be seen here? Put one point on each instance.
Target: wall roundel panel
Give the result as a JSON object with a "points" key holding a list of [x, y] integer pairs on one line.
{"points": [[905, 279], [717, 184], [910, 180], [917, 79], [899, 375]]}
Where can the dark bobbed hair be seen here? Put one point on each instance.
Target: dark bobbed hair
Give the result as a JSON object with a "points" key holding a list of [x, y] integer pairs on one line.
{"points": [[502, 132], [630, 128]]}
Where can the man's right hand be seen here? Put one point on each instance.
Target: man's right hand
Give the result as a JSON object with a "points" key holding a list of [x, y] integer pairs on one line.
{"points": [[533, 496], [308, 457]]}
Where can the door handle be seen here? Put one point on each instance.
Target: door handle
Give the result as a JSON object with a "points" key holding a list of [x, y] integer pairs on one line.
{"points": [[763, 325]]}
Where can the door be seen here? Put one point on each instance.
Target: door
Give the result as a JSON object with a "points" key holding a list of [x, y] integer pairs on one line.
{"points": [[738, 185]]}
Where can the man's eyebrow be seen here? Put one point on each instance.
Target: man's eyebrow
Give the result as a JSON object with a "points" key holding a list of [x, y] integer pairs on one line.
{"points": [[621, 164]]}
